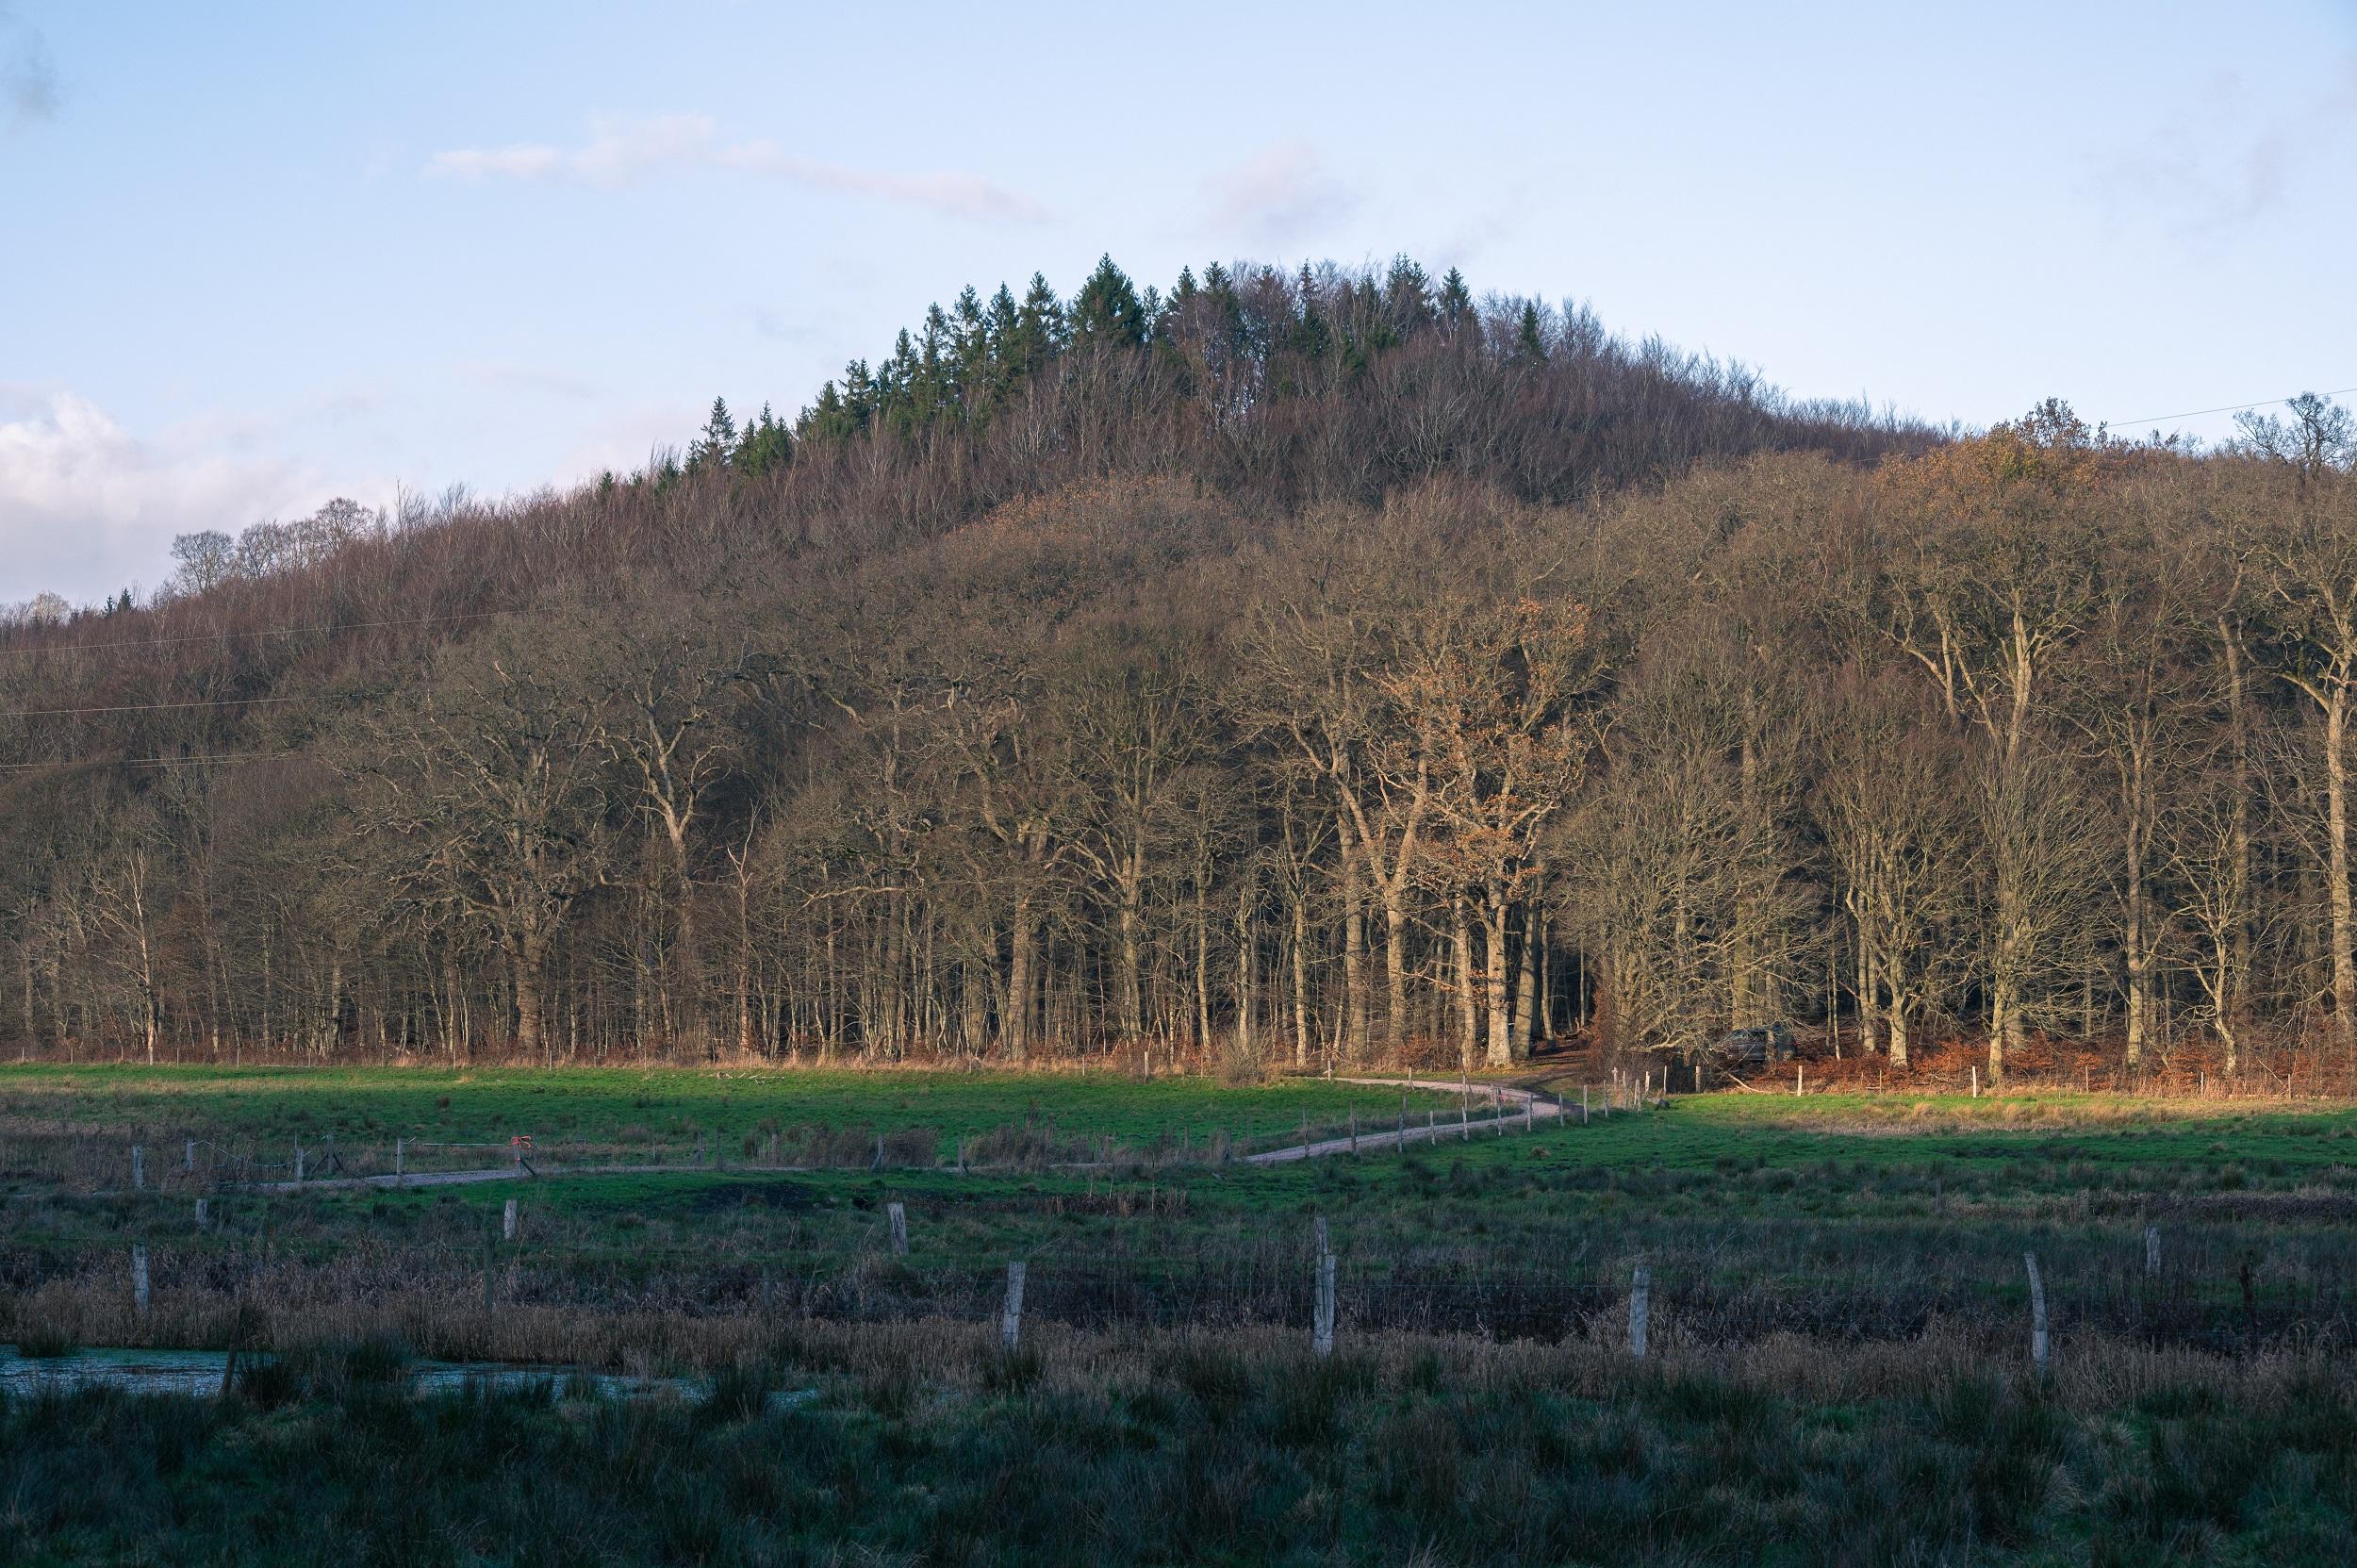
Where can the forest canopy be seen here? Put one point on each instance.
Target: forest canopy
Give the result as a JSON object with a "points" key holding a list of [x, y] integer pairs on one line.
{"points": [[1289, 666]]}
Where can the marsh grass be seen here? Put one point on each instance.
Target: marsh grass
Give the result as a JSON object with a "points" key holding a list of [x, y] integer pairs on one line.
{"points": [[926, 1444]]}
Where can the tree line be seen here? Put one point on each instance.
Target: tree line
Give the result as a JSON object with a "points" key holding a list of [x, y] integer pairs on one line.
{"points": [[1288, 669]]}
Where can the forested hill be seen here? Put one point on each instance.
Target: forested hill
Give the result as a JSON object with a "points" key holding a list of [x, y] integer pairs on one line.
{"points": [[1280, 668]]}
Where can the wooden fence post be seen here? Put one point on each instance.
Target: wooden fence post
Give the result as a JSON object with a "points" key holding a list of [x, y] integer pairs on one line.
{"points": [[139, 1280], [507, 1222], [1322, 1320], [1010, 1321], [2038, 1315], [1583, 1105], [397, 1152], [189, 1160], [203, 1218], [138, 1167], [298, 1163], [2151, 1250], [900, 1218], [1640, 1309]]}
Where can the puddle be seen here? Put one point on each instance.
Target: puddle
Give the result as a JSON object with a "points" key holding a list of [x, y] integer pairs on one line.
{"points": [[199, 1372]]}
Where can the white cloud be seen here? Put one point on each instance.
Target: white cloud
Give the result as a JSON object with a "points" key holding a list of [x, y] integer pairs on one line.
{"points": [[1280, 196], [622, 152], [87, 507], [2232, 154]]}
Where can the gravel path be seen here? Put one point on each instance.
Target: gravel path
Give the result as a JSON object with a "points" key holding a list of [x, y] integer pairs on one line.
{"points": [[1516, 1108]]}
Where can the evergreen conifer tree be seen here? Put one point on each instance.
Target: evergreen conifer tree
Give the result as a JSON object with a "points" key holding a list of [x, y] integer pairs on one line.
{"points": [[1455, 300], [1108, 310], [717, 442]]}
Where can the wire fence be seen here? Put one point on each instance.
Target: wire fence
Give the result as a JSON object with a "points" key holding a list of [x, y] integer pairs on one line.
{"points": [[2205, 1295]]}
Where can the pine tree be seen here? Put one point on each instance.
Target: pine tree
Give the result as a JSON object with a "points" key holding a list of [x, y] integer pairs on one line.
{"points": [[827, 418], [1455, 300], [767, 445], [1310, 339], [1039, 329], [1408, 297], [970, 356], [862, 397], [1108, 310], [717, 442], [1005, 343], [1530, 344]]}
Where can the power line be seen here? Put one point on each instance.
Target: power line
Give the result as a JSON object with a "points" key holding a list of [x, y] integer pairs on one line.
{"points": [[146, 707], [268, 632], [142, 762], [2229, 408]]}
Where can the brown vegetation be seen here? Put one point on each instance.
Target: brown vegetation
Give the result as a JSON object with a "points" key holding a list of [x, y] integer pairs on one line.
{"points": [[1287, 671]]}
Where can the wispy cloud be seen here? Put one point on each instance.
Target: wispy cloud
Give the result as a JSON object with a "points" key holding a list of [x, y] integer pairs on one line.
{"points": [[623, 152], [1280, 195], [2230, 156], [28, 83]]}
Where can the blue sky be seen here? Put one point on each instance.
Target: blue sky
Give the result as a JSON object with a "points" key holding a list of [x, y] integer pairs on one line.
{"points": [[255, 254]]}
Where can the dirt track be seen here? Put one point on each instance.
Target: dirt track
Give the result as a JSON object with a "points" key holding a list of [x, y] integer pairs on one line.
{"points": [[1532, 1108]]}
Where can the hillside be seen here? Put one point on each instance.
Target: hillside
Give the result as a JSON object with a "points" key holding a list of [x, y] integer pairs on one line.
{"points": [[1277, 669]]}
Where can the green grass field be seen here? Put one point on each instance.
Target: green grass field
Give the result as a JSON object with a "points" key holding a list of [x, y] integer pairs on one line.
{"points": [[666, 1110], [1839, 1309]]}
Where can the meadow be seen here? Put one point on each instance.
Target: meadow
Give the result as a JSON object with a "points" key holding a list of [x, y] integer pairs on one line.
{"points": [[1838, 1365]]}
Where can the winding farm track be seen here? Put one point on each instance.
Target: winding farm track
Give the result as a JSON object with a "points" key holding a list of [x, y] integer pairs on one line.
{"points": [[1509, 1108], [1537, 1107]]}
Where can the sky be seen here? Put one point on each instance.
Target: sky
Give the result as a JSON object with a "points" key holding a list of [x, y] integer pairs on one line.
{"points": [[255, 254]]}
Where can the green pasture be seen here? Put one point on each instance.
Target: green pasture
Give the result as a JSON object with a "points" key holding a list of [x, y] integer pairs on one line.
{"points": [[1876, 1199], [666, 1111]]}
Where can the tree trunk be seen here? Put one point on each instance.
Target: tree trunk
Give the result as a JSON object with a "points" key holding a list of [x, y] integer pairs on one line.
{"points": [[1529, 1005], [2336, 895], [1354, 950], [530, 949], [2230, 1004], [1460, 953], [1395, 966], [2139, 979], [1302, 981], [1895, 1020], [1501, 1028], [1132, 998], [1016, 1025]]}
